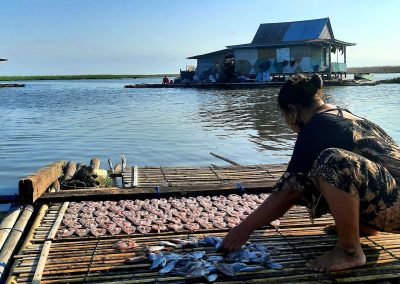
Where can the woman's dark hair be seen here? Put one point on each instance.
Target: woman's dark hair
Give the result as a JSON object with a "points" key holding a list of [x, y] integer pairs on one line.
{"points": [[299, 90]]}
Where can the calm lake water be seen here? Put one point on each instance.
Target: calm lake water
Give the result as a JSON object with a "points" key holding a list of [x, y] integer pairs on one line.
{"points": [[76, 120]]}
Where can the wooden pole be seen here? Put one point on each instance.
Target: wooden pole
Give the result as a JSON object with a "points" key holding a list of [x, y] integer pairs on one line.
{"points": [[344, 53], [225, 159], [134, 176], [330, 61], [8, 223], [13, 239]]}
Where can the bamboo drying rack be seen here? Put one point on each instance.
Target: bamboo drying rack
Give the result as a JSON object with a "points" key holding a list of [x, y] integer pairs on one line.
{"points": [[44, 258]]}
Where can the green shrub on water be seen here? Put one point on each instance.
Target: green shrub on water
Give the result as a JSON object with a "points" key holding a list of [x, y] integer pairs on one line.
{"points": [[391, 81]]}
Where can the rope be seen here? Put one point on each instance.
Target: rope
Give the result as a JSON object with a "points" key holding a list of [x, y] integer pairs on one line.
{"points": [[302, 255]]}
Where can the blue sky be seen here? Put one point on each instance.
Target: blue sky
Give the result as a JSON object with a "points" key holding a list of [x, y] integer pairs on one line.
{"points": [[41, 37]]}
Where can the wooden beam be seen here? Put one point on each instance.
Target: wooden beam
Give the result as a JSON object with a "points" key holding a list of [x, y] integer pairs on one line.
{"points": [[225, 159], [33, 186], [139, 192]]}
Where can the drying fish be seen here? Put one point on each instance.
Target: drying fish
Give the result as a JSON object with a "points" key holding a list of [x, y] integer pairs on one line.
{"points": [[168, 267], [66, 232], [155, 248], [172, 214], [82, 232], [197, 255], [192, 226], [158, 227], [169, 244], [198, 264], [212, 277], [158, 261], [225, 268], [97, 232], [136, 259], [128, 229], [144, 229], [195, 272], [216, 258], [125, 245]]}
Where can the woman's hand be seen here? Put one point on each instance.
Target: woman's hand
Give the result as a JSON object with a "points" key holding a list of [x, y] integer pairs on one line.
{"points": [[236, 237]]}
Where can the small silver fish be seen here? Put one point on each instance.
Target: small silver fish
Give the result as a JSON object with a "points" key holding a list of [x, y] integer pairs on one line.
{"points": [[168, 267], [198, 255], [136, 259], [225, 268], [155, 248], [212, 277], [169, 244], [159, 261], [216, 258], [196, 271], [210, 240]]}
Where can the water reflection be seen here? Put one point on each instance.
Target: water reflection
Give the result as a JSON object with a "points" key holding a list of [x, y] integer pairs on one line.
{"points": [[253, 111]]}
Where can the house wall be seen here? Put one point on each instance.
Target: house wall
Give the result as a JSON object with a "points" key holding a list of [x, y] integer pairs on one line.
{"points": [[288, 60], [210, 64]]}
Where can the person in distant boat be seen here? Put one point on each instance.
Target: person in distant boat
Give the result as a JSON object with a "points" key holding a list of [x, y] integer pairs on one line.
{"points": [[165, 80], [341, 164]]}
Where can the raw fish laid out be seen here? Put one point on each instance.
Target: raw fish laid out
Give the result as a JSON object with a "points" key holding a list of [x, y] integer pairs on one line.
{"points": [[105, 218], [201, 264]]}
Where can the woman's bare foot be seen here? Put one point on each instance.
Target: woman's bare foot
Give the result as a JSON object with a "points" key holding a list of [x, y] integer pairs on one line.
{"points": [[330, 229], [364, 231], [338, 259]]}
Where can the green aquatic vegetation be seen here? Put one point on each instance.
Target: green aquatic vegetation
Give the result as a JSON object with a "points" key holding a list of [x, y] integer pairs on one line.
{"points": [[391, 81], [80, 77]]}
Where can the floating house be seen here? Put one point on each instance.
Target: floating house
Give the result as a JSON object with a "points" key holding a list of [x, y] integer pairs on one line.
{"points": [[280, 49]]}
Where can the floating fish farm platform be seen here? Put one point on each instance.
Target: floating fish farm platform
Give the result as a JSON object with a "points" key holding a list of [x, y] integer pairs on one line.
{"points": [[11, 85], [250, 85], [61, 244]]}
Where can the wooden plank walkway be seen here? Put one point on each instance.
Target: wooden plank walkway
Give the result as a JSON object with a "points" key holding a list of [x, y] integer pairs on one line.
{"points": [[93, 260], [192, 176]]}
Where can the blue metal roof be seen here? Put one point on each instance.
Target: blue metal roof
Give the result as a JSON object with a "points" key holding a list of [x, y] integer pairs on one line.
{"points": [[291, 31]]}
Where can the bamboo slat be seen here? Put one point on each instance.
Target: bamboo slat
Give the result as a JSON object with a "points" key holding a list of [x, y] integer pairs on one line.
{"points": [[58, 221], [91, 260], [42, 262]]}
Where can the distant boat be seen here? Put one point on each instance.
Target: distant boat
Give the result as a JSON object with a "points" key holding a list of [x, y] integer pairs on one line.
{"points": [[364, 76]]}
